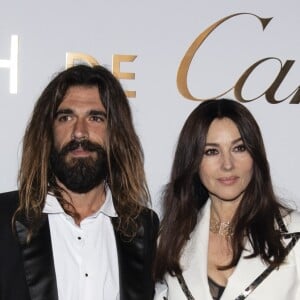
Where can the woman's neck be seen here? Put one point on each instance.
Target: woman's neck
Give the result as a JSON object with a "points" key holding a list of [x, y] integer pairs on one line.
{"points": [[222, 210]]}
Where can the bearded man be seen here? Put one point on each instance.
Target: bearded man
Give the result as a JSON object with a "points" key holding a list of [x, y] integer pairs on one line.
{"points": [[79, 227]]}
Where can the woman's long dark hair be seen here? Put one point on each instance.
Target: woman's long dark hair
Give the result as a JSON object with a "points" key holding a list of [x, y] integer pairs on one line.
{"points": [[184, 196], [126, 177]]}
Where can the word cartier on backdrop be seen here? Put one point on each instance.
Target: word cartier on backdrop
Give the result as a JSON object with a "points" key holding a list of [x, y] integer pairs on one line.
{"points": [[183, 70]]}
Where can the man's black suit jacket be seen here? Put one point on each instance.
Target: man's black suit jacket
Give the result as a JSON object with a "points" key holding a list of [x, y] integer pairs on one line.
{"points": [[27, 270]]}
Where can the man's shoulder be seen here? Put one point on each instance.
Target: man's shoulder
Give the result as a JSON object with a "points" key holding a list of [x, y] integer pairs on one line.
{"points": [[145, 225], [148, 216], [8, 206], [9, 197], [8, 202], [148, 223]]}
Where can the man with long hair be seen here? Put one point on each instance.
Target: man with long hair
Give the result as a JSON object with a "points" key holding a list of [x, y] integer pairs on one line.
{"points": [[79, 226]]}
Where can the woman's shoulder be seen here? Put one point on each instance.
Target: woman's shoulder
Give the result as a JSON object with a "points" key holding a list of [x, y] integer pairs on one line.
{"points": [[292, 221], [161, 290]]}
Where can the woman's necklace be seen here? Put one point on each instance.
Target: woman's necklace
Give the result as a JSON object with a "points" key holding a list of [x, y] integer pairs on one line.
{"points": [[222, 228]]}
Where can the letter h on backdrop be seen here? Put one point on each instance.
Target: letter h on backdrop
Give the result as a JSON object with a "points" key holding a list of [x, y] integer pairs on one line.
{"points": [[12, 65]]}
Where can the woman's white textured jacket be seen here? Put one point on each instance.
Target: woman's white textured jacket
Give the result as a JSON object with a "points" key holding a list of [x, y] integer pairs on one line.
{"points": [[281, 284]]}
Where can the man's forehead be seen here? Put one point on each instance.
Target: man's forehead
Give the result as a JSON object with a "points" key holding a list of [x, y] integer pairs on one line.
{"points": [[82, 96]]}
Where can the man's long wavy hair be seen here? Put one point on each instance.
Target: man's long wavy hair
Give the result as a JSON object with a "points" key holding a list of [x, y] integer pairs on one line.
{"points": [[185, 195], [126, 177]]}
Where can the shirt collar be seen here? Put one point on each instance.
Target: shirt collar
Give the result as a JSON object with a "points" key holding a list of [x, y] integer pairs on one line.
{"points": [[52, 206]]}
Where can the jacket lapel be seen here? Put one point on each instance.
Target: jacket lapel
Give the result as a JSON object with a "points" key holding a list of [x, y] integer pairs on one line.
{"points": [[241, 279], [194, 258], [246, 271], [38, 261], [130, 254], [194, 263], [135, 260]]}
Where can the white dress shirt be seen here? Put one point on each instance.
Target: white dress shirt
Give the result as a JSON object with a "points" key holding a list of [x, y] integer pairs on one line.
{"points": [[85, 256]]}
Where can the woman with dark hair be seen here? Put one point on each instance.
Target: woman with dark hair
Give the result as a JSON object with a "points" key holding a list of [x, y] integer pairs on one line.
{"points": [[224, 234]]}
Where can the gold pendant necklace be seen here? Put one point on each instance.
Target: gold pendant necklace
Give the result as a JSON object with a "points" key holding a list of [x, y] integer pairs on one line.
{"points": [[222, 228]]}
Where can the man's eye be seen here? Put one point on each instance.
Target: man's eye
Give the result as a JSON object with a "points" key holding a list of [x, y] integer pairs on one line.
{"points": [[97, 119], [239, 148], [64, 118], [211, 151]]}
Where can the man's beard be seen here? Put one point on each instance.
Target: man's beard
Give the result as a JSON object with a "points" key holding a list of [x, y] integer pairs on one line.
{"points": [[82, 174]]}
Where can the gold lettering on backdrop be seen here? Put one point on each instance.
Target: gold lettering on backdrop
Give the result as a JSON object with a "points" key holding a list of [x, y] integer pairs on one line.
{"points": [[117, 59], [12, 64], [269, 93], [73, 58]]}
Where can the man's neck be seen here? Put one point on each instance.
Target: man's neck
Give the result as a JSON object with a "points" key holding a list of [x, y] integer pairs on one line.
{"points": [[85, 204]]}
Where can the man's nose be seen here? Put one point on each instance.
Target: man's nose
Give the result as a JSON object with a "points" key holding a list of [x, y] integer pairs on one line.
{"points": [[80, 130]]}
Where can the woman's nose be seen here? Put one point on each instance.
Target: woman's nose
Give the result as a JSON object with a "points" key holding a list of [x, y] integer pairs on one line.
{"points": [[227, 161]]}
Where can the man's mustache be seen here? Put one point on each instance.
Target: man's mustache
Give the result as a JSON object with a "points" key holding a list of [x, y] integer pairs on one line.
{"points": [[86, 145]]}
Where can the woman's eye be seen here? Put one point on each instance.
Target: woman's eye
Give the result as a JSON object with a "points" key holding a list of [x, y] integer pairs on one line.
{"points": [[211, 151], [240, 148]]}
